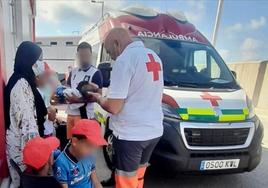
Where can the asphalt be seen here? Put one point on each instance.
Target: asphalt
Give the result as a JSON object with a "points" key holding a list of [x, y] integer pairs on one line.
{"points": [[155, 179]]}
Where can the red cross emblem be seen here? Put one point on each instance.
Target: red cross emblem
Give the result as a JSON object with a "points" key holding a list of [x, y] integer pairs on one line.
{"points": [[153, 66], [213, 99]]}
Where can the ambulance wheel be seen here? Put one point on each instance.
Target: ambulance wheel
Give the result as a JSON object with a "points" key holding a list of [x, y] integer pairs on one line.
{"points": [[108, 150]]}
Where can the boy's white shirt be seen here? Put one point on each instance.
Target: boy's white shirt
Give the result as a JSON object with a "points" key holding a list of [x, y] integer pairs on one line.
{"points": [[49, 127]]}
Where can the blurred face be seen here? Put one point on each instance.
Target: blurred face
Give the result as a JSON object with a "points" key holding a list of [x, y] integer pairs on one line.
{"points": [[52, 81], [84, 57], [83, 147], [41, 80], [113, 49]]}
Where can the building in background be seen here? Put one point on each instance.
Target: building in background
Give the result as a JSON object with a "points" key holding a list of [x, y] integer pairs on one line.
{"points": [[17, 23], [59, 52]]}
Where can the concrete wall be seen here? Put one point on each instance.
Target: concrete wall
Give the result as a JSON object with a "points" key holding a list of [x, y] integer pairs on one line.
{"points": [[263, 97], [253, 77], [18, 27]]}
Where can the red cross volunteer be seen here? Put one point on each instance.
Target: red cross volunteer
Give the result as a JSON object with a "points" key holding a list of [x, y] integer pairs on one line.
{"points": [[134, 101], [138, 79]]}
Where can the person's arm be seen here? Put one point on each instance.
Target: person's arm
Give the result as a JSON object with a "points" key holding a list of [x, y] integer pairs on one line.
{"points": [[54, 99], [96, 83], [70, 99], [113, 106], [118, 90], [75, 99], [94, 179], [64, 185], [98, 80], [68, 82]]}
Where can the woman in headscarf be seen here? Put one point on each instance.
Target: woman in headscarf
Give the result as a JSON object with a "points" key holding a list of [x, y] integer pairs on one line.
{"points": [[25, 108]]}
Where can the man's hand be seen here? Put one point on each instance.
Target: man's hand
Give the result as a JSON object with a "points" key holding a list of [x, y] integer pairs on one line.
{"points": [[64, 185], [113, 106], [86, 87], [52, 113], [89, 88], [93, 97], [54, 99]]}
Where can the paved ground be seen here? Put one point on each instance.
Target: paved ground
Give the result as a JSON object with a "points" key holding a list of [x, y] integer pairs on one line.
{"points": [[257, 179]]}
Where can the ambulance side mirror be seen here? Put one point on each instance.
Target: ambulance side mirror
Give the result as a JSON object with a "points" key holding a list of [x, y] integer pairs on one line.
{"points": [[234, 73], [105, 69]]}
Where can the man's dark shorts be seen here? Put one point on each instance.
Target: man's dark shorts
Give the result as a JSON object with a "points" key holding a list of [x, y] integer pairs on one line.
{"points": [[129, 155]]}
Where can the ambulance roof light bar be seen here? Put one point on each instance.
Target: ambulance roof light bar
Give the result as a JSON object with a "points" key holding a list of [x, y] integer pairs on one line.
{"points": [[147, 12], [178, 15], [140, 11]]}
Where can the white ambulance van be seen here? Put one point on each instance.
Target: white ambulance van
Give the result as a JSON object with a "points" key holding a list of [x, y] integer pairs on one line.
{"points": [[209, 123]]}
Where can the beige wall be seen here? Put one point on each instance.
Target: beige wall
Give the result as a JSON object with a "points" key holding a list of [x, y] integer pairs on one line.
{"points": [[263, 99], [253, 77]]}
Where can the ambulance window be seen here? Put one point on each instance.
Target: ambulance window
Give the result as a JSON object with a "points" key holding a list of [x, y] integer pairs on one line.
{"points": [[206, 65], [187, 63], [200, 59], [95, 51], [215, 69]]}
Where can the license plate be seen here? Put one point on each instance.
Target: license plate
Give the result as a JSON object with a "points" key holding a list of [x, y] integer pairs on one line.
{"points": [[219, 164]]}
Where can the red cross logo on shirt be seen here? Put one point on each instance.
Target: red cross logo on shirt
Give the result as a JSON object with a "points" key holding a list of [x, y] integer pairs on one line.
{"points": [[213, 99], [153, 66]]}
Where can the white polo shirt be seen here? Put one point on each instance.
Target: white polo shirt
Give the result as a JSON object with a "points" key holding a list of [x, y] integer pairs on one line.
{"points": [[137, 77]]}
